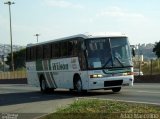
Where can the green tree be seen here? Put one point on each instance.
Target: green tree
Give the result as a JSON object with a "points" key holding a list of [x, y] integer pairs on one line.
{"points": [[19, 59], [156, 49]]}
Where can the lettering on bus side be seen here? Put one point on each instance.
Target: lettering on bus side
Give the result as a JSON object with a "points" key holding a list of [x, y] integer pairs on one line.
{"points": [[59, 66]]}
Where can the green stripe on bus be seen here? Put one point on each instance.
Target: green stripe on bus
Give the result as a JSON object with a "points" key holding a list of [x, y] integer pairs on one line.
{"points": [[52, 78]]}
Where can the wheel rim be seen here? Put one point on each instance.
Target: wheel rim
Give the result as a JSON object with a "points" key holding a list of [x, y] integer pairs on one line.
{"points": [[43, 85], [79, 86]]}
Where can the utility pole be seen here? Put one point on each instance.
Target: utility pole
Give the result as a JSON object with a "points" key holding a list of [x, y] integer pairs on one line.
{"points": [[151, 66], [37, 35], [4, 58], [9, 3]]}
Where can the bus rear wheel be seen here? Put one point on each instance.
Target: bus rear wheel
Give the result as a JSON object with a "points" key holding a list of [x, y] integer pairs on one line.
{"points": [[116, 89], [43, 85]]}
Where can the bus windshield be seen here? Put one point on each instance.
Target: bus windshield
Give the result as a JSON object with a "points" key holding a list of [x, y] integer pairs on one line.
{"points": [[108, 52]]}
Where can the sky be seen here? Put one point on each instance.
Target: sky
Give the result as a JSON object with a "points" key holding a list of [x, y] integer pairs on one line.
{"points": [[52, 19]]}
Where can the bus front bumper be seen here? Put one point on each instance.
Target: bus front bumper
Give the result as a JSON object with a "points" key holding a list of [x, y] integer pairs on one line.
{"points": [[110, 82]]}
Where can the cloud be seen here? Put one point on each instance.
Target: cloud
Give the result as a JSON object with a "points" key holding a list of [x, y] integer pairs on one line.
{"points": [[121, 14], [62, 4], [2, 21], [115, 14]]}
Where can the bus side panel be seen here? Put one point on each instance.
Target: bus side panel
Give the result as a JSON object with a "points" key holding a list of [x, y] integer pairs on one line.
{"points": [[32, 77], [57, 77], [67, 79], [73, 68], [56, 73], [63, 71], [85, 80]]}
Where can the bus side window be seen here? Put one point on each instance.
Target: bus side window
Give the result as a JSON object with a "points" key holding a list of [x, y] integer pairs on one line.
{"points": [[46, 51], [39, 52], [64, 49], [53, 50], [28, 54], [70, 48], [56, 50], [75, 48], [33, 53], [81, 55]]}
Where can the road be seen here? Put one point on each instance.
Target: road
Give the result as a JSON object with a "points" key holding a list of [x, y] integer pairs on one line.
{"points": [[28, 102]]}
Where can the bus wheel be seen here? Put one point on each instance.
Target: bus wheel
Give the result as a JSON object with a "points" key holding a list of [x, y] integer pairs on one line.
{"points": [[78, 85], [116, 89], [43, 85], [71, 90]]}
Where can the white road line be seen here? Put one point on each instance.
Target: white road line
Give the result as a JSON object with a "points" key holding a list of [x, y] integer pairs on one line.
{"points": [[35, 97], [142, 91], [148, 92], [150, 103]]}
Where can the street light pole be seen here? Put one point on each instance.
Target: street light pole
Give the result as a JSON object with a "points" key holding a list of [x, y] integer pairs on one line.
{"points": [[4, 58], [37, 35], [12, 60]]}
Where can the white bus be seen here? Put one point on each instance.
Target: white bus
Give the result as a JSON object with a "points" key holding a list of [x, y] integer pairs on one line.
{"points": [[81, 62]]}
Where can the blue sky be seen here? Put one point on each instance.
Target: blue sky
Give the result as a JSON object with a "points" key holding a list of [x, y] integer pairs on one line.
{"points": [[139, 19]]}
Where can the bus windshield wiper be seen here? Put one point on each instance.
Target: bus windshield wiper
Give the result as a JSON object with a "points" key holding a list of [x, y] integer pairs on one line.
{"points": [[108, 61], [119, 61]]}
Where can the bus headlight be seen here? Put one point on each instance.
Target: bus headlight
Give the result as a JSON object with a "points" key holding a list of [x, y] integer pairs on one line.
{"points": [[128, 73], [96, 76]]}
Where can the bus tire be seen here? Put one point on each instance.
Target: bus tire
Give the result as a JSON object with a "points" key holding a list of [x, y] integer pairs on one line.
{"points": [[116, 89], [71, 90], [43, 85], [78, 84]]}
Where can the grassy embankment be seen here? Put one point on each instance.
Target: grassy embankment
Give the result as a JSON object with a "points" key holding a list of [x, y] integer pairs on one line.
{"points": [[105, 109]]}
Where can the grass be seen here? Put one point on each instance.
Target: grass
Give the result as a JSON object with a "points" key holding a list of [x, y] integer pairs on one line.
{"points": [[104, 109]]}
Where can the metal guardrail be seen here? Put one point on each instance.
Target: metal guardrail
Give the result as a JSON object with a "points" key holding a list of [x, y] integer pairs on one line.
{"points": [[13, 75], [147, 79]]}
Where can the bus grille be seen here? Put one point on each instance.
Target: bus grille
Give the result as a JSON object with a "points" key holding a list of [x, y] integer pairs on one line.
{"points": [[113, 83]]}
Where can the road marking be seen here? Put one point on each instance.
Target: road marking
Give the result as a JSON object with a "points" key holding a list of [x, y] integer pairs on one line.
{"points": [[150, 103], [148, 92], [36, 97], [142, 91]]}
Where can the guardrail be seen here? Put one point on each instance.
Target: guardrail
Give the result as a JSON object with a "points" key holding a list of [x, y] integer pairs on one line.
{"points": [[147, 79]]}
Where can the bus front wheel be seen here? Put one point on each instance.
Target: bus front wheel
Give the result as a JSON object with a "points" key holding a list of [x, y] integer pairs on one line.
{"points": [[78, 85], [116, 89]]}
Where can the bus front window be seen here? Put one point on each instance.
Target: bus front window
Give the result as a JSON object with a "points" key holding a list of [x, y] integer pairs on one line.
{"points": [[108, 52], [121, 53], [98, 49]]}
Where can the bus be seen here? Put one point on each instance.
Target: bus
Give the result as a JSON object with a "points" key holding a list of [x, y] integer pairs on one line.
{"points": [[81, 62]]}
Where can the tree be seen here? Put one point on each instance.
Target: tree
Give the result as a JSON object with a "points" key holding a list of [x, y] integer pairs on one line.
{"points": [[156, 49], [19, 59]]}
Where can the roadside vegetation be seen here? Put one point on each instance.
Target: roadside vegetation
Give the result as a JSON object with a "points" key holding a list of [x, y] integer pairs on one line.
{"points": [[151, 67], [19, 59], [104, 109]]}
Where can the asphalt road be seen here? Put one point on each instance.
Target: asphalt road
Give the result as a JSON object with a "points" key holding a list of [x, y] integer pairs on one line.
{"points": [[28, 102]]}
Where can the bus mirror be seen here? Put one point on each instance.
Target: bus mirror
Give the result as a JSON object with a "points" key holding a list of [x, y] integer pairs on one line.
{"points": [[133, 52]]}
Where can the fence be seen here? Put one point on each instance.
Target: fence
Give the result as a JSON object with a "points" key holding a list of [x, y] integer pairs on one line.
{"points": [[151, 67], [13, 75]]}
